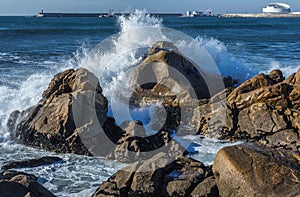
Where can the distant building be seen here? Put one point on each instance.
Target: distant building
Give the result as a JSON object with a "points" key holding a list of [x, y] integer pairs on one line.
{"points": [[277, 8]]}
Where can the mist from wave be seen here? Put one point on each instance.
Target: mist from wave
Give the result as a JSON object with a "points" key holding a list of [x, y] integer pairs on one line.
{"points": [[109, 61]]}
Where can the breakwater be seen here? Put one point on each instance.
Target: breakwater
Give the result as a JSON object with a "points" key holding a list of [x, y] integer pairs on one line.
{"points": [[261, 15], [52, 14]]}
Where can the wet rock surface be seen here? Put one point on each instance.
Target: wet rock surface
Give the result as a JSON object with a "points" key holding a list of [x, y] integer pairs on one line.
{"points": [[263, 109], [30, 163], [241, 170], [18, 184], [249, 170], [135, 145], [50, 125], [165, 74], [259, 111], [165, 69], [160, 176]]}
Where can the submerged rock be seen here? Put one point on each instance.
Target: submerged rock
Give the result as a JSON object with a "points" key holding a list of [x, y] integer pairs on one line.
{"points": [[160, 177], [30, 163], [70, 107], [19, 184], [249, 170]]}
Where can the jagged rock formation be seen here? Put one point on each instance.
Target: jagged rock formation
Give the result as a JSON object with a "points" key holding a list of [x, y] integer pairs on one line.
{"points": [[264, 109], [160, 177], [50, 125]]}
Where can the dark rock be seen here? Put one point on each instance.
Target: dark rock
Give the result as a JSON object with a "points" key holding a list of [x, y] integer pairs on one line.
{"points": [[287, 139], [8, 188], [184, 175], [249, 170], [135, 145], [207, 188], [18, 184], [12, 122], [258, 120], [67, 115], [162, 45], [112, 131], [229, 82], [134, 128], [158, 176], [30, 163], [276, 76]]}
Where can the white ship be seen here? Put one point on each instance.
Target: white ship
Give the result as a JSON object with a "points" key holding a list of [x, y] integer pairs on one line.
{"points": [[193, 13], [277, 8]]}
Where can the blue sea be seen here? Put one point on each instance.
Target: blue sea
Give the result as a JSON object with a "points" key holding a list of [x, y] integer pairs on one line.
{"points": [[33, 50]]}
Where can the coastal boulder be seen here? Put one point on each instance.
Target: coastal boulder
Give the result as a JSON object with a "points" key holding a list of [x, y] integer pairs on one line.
{"points": [[18, 184], [160, 176], [70, 108], [166, 74], [260, 89], [264, 109], [249, 170], [30, 163]]}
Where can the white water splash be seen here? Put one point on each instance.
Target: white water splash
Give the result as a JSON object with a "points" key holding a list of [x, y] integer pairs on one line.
{"points": [[286, 70], [136, 31]]}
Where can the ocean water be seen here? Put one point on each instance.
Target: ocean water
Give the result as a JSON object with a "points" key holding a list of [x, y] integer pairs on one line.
{"points": [[33, 50]]}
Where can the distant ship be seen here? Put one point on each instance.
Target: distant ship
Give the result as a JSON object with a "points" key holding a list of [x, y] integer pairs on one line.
{"points": [[190, 13], [277, 8], [193, 13], [110, 14]]}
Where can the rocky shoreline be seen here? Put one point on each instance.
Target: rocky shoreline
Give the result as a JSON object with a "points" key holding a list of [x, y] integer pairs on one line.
{"points": [[263, 112]]}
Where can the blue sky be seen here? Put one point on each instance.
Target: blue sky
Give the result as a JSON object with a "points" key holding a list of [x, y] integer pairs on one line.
{"points": [[30, 7]]}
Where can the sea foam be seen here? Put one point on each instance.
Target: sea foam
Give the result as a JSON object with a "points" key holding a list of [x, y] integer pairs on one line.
{"points": [[286, 70], [108, 61], [114, 56]]}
